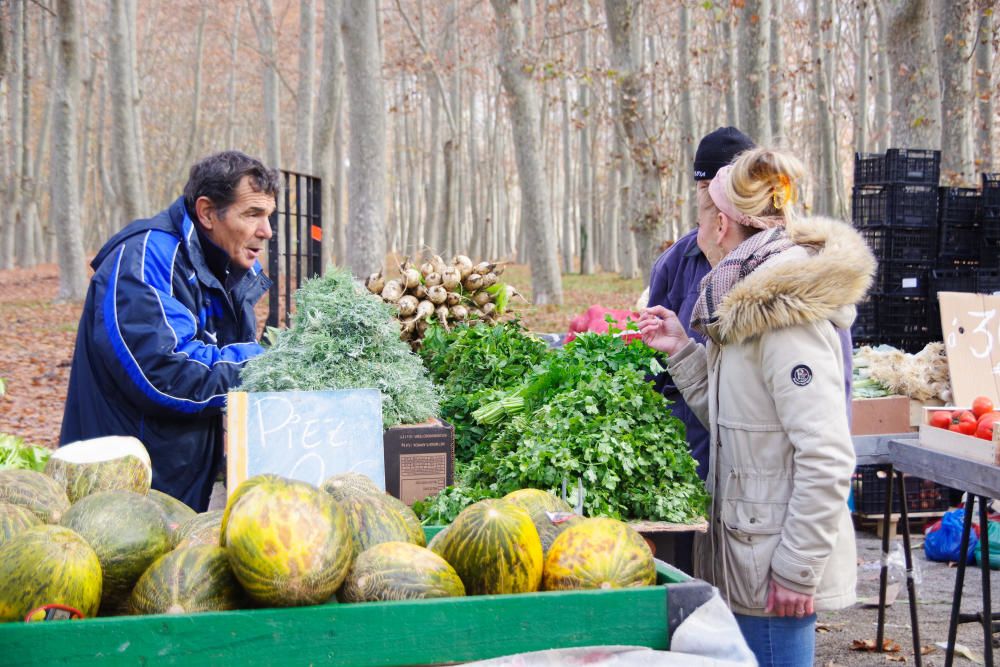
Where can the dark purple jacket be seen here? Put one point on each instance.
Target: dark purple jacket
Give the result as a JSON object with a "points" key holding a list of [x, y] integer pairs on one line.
{"points": [[673, 284]]}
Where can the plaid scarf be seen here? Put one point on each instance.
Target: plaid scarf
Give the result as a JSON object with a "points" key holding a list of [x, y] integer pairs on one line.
{"points": [[734, 267]]}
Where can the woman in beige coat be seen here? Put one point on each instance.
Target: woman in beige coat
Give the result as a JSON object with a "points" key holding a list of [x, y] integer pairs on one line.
{"points": [[768, 385]]}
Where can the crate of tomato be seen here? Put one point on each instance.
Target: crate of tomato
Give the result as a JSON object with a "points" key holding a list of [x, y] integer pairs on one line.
{"points": [[972, 432]]}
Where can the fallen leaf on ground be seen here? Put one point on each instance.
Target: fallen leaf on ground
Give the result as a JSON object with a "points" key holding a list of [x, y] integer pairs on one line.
{"points": [[927, 650], [888, 645], [895, 658], [962, 650]]}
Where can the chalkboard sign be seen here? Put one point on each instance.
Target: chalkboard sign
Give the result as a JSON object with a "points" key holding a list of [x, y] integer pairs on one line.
{"points": [[305, 435]]}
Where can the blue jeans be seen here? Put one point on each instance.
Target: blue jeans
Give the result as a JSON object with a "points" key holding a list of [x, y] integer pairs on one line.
{"points": [[784, 642]]}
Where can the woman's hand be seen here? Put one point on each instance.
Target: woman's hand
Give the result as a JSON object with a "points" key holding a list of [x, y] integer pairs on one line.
{"points": [[786, 602], [661, 330]]}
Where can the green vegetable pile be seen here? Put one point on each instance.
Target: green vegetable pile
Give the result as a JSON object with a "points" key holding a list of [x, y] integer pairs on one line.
{"points": [[16, 453], [471, 362], [343, 337], [585, 412]]}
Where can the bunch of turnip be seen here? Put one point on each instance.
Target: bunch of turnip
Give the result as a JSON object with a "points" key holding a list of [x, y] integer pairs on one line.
{"points": [[442, 293]]}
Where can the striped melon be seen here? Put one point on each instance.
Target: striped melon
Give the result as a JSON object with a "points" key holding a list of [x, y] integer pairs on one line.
{"points": [[14, 519], [246, 485], [187, 580], [111, 463], [416, 529], [494, 547], [550, 514], [175, 513], [204, 528], [598, 553], [373, 520], [35, 491], [127, 531], [350, 481], [48, 565], [288, 543], [399, 571]]}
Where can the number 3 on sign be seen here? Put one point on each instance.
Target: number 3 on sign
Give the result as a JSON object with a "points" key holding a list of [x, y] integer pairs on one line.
{"points": [[982, 328]]}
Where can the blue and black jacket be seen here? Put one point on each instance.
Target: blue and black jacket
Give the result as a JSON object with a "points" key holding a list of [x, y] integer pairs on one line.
{"points": [[160, 342]]}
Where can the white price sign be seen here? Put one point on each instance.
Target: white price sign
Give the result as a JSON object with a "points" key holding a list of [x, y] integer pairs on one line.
{"points": [[970, 324]]}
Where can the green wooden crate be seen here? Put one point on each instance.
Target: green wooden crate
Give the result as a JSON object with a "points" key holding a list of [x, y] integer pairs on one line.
{"points": [[417, 632]]}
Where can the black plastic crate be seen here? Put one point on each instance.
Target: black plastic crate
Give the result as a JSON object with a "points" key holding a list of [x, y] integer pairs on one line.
{"points": [[865, 327], [959, 206], [898, 165], [903, 278], [901, 315], [959, 245], [987, 280], [870, 484], [989, 252], [959, 279], [895, 206], [869, 168], [901, 244], [991, 190]]}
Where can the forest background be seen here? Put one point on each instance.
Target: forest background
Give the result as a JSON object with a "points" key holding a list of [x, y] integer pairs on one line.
{"points": [[558, 133]]}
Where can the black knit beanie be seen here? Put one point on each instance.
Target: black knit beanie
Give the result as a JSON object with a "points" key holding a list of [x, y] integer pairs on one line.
{"points": [[717, 149]]}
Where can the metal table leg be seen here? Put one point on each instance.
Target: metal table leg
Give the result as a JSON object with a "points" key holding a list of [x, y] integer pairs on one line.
{"points": [[911, 588], [984, 562], [884, 572], [956, 601]]}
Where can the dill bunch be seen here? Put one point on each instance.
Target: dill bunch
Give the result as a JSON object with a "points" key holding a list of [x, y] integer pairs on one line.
{"points": [[343, 337]]}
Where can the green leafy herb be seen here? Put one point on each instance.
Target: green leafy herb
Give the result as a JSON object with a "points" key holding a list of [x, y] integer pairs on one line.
{"points": [[442, 508], [343, 337], [16, 453]]}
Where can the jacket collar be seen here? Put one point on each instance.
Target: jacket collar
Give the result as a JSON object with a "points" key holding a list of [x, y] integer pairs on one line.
{"points": [[822, 278]]}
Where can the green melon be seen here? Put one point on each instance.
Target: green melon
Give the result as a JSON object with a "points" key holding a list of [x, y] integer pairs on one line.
{"points": [[550, 514], [111, 463], [598, 553], [416, 529], [373, 520], [175, 513], [438, 537], [349, 481], [187, 580], [48, 565], [400, 571], [494, 547], [204, 528], [239, 491], [288, 543], [35, 491], [14, 519], [127, 531]]}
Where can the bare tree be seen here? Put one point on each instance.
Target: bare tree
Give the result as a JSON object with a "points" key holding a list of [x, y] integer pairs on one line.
{"points": [[827, 178], [688, 212], [367, 174], [585, 133], [263, 22], [956, 40], [883, 96], [304, 95], [861, 73], [984, 88], [542, 251], [125, 130], [916, 91], [331, 95], [16, 137], [776, 73], [754, 49], [65, 206]]}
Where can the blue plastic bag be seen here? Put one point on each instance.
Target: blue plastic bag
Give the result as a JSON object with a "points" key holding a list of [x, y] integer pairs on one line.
{"points": [[993, 535], [944, 543]]}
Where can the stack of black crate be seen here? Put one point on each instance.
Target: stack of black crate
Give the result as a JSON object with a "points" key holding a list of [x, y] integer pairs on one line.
{"points": [[895, 208], [958, 254], [988, 273]]}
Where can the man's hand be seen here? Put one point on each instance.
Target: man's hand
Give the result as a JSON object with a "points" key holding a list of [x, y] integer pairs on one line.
{"points": [[786, 602], [661, 330]]}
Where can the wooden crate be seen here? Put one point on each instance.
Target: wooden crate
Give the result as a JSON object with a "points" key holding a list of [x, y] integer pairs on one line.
{"points": [[417, 632]]}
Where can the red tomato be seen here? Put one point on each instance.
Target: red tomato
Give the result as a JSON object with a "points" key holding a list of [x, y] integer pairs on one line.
{"points": [[963, 421], [941, 418], [984, 429], [981, 406]]}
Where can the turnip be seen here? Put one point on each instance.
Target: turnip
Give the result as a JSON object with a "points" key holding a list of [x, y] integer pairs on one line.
{"points": [[459, 312], [472, 282], [410, 278], [453, 299], [407, 305], [375, 283], [438, 263], [483, 268], [442, 316], [424, 310], [489, 310], [433, 278], [437, 294], [489, 279], [481, 298], [392, 291], [426, 268], [451, 278], [420, 292], [463, 264]]}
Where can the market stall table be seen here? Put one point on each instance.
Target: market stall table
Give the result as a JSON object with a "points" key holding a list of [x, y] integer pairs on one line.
{"points": [[980, 481]]}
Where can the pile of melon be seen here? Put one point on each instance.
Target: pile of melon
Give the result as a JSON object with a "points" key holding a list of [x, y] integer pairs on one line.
{"points": [[89, 533]]}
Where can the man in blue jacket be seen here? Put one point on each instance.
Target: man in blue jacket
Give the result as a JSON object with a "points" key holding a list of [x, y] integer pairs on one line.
{"points": [[169, 323]]}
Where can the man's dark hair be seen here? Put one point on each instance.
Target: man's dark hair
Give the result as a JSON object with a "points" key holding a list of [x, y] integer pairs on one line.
{"points": [[217, 177]]}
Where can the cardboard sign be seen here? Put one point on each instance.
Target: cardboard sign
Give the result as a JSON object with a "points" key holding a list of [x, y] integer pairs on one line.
{"points": [[970, 324], [419, 459], [305, 435]]}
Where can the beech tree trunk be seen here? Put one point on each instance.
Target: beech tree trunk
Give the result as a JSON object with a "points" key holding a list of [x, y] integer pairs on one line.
{"points": [[305, 93], [327, 111], [883, 94], [754, 49], [366, 177], [861, 74], [984, 92], [916, 91], [64, 210], [523, 103], [263, 20], [125, 116], [955, 41], [827, 179], [585, 133], [776, 73]]}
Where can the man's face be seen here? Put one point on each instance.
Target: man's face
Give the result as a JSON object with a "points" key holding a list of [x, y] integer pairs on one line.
{"points": [[708, 216], [243, 228]]}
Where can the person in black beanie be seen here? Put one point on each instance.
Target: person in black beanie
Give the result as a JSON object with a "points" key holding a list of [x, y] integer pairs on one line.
{"points": [[673, 284]]}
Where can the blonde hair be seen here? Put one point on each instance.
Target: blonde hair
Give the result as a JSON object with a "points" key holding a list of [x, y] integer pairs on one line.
{"points": [[764, 183]]}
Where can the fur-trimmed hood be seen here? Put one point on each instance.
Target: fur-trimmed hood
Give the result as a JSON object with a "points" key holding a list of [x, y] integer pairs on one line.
{"points": [[822, 278]]}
